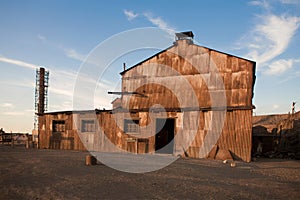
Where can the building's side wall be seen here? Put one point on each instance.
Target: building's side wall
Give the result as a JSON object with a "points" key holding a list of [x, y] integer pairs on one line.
{"points": [[236, 135], [66, 139], [191, 130]]}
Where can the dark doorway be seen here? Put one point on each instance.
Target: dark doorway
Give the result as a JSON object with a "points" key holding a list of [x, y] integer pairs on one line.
{"points": [[164, 142]]}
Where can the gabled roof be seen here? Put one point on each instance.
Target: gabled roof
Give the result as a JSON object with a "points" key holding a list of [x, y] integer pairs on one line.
{"points": [[210, 49], [123, 72]]}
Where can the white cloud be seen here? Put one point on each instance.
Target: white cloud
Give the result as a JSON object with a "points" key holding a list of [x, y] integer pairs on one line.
{"points": [[30, 110], [270, 37], [7, 105], [62, 82], [264, 4], [130, 14], [160, 23], [16, 113], [72, 53], [18, 63], [275, 106], [65, 105], [60, 91], [294, 75], [69, 52], [289, 1], [21, 83], [41, 37], [89, 88], [279, 66]]}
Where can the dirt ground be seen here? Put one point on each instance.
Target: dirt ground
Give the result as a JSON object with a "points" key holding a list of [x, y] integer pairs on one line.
{"points": [[54, 174]]}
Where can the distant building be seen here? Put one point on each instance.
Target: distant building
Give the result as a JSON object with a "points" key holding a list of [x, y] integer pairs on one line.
{"points": [[16, 137]]}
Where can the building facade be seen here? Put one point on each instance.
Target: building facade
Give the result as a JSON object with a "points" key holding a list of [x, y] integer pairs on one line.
{"points": [[186, 100]]}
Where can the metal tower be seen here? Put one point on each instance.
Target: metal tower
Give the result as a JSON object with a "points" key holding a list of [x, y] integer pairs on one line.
{"points": [[41, 94]]}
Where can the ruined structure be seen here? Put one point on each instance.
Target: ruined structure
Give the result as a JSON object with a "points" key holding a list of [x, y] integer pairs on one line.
{"points": [[279, 135]]}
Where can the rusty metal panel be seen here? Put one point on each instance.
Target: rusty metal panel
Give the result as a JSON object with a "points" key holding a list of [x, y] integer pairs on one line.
{"points": [[236, 74]]}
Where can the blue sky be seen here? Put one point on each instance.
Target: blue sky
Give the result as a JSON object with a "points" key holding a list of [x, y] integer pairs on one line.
{"points": [[59, 34]]}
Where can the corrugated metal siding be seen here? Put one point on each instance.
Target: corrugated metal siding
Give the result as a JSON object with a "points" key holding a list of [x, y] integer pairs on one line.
{"points": [[191, 128], [236, 74], [172, 89]]}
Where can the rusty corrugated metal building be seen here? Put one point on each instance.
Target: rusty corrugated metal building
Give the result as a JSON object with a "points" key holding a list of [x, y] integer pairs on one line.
{"points": [[170, 103]]}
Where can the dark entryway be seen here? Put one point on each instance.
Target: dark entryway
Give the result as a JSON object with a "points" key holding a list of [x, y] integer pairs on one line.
{"points": [[164, 142]]}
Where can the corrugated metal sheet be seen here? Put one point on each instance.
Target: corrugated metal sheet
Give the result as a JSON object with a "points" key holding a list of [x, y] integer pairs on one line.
{"points": [[172, 82], [237, 75]]}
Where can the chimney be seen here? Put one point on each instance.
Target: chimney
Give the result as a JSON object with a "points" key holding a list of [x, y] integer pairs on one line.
{"points": [[124, 66], [187, 35]]}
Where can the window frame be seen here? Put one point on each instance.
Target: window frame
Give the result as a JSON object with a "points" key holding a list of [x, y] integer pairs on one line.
{"points": [[62, 126], [134, 126], [86, 130]]}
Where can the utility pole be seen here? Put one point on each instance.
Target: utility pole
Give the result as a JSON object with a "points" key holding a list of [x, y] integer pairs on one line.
{"points": [[293, 107]]}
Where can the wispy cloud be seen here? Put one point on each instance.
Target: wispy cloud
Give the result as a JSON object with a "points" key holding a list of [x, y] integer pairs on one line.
{"points": [[69, 52], [130, 14], [155, 20], [60, 91], [41, 37], [291, 76], [264, 4], [14, 113], [72, 53], [30, 110], [290, 1], [18, 63], [65, 105], [7, 105], [160, 23], [83, 88], [62, 82], [279, 66], [271, 36], [20, 83]]}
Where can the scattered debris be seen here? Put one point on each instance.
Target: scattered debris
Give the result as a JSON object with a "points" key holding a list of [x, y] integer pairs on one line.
{"points": [[90, 160], [223, 154], [233, 164]]}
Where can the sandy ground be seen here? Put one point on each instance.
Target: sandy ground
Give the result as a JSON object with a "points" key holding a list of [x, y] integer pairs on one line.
{"points": [[53, 174]]}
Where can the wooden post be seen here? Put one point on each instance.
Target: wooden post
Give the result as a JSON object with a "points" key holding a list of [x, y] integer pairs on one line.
{"points": [[90, 160], [136, 146], [27, 141]]}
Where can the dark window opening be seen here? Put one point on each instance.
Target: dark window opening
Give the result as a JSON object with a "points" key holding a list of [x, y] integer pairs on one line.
{"points": [[58, 126]]}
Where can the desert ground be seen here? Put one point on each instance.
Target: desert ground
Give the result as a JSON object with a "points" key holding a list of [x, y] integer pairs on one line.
{"points": [[55, 174]]}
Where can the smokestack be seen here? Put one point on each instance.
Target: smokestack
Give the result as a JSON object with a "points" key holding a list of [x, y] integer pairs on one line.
{"points": [[41, 105], [124, 66]]}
